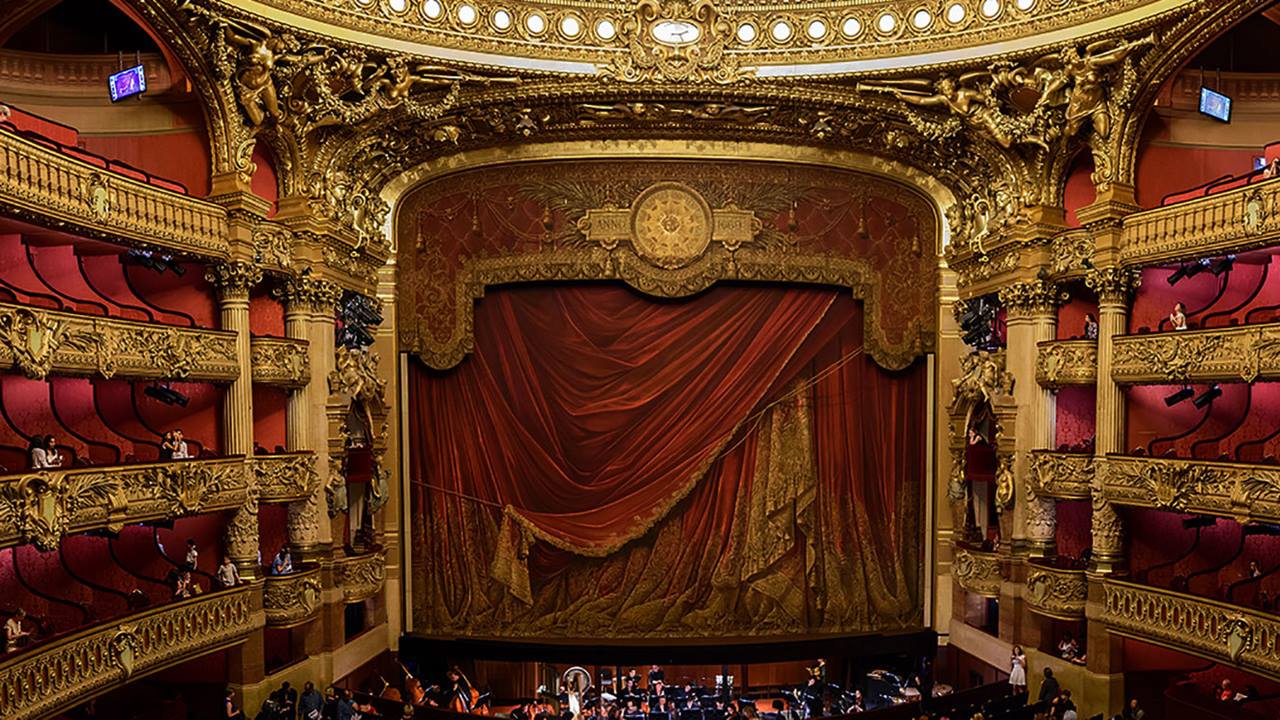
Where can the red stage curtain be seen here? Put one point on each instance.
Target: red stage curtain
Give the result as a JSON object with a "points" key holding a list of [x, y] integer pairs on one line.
{"points": [[588, 412]]}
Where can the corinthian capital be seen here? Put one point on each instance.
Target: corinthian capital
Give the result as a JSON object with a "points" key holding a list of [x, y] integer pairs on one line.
{"points": [[234, 280], [311, 294], [1113, 284], [1031, 297]]}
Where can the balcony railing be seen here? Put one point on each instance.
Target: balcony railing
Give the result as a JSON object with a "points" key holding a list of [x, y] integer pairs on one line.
{"points": [[361, 576], [287, 477], [1067, 362], [1062, 475], [1241, 490], [67, 671], [1056, 592], [40, 342], [1223, 222], [41, 506], [292, 599], [1244, 353], [50, 189], [1211, 629], [280, 361], [977, 571]]}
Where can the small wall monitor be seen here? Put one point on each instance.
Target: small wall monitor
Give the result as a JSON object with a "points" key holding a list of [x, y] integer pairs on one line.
{"points": [[127, 83], [1215, 105]]}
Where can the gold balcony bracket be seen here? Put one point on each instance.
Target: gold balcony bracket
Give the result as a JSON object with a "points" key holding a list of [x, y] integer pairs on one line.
{"points": [[1056, 592], [361, 576], [977, 571], [283, 362], [292, 599], [1066, 362]]}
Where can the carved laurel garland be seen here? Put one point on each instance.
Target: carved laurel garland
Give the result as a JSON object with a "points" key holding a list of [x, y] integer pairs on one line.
{"points": [[1056, 592]]}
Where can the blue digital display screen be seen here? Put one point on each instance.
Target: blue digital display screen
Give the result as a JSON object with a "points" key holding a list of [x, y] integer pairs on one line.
{"points": [[127, 83], [1215, 105]]}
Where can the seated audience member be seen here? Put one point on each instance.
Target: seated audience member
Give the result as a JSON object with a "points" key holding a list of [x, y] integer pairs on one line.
{"points": [[186, 586], [180, 451], [283, 562], [228, 574], [1272, 169], [1255, 570], [1068, 648], [44, 453], [1133, 712], [14, 632]]}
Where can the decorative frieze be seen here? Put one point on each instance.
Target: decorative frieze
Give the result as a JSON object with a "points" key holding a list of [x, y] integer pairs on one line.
{"points": [[288, 477], [280, 361], [361, 576], [1061, 474], [1240, 490], [1215, 630], [39, 342], [1244, 353], [64, 672], [1056, 592], [40, 507], [1229, 221], [1113, 284], [54, 190], [291, 599], [977, 571], [1066, 362]]}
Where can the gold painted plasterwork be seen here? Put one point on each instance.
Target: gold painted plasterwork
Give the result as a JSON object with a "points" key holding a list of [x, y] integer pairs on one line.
{"points": [[53, 190], [38, 342], [70, 670], [1067, 362], [291, 599], [1230, 221], [1226, 633], [1056, 592], [1244, 353], [1240, 490], [280, 361], [40, 507], [1061, 474], [289, 477], [360, 576], [978, 572]]}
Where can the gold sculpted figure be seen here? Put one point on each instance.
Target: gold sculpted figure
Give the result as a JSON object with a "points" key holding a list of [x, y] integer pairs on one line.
{"points": [[1080, 78], [261, 53], [976, 106]]}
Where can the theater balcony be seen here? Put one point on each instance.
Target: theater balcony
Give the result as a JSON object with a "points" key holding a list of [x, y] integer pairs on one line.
{"points": [[293, 599], [285, 477], [46, 185], [978, 571], [64, 672], [282, 362], [1062, 475], [361, 576], [1232, 220], [1241, 637], [1239, 353], [1066, 362], [1245, 491], [1056, 590]]}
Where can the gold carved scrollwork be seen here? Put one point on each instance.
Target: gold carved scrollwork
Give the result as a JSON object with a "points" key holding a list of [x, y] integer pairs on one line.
{"points": [[1246, 492], [1246, 352], [361, 576], [280, 361], [1061, 475], [676, 41], [289, 477], [234, 279], [355, 375], [1057, 592], [311, 294], [1066, 362], [1032, 297], [291, 599], [977, 572], [1113, 284], [982, 377]]}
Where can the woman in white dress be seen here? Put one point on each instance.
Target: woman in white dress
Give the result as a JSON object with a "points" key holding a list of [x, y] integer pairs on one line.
{"points": [[1018, 670]]}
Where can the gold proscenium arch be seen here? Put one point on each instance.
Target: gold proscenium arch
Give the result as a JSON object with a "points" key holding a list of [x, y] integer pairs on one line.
{"points": [[610, 241]]}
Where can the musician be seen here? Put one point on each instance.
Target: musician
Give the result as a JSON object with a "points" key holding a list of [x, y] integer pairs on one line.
{"points": [[656, 675], [461, 696], [811, 696], [632, 711], [14, 633], [523, 711], [658, 707], [657, 690]]}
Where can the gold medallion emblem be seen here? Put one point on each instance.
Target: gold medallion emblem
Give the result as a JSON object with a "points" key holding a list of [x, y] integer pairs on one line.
{"points": [[671, 225]]}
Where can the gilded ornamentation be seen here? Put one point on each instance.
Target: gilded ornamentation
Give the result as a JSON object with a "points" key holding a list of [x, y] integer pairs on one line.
{"points": [[1041, 520], [291, 599], [273, 246], [1230, 221], [1005, 483], [55, 190], [1244, 491], [671, 225], [42, 342], [60, 673], [680, 112], [355, 375], [676, 41], [287, 477], [1032, 297], [1244, 352], [234, 279], [977, 572], [1258, 210], [361, 576], [982, 378], [1210, 628], [39, 507], [1066, 362], [1061, 475], [280, 361], [311, 293], [1071, 250], [1057, 592], [1106, 525], [1113, 284]]}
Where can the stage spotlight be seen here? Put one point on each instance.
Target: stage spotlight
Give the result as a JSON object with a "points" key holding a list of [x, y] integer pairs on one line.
{"points": [[1189, 270], [1199, 521], [1185, 393], [166, 395], [1223, 265], [1213, 393]]}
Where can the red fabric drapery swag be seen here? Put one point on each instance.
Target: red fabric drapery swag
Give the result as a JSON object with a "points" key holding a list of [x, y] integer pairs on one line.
{"points": [[588, 413]]}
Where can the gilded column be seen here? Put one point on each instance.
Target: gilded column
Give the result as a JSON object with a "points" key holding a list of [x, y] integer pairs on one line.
{"points": [[1114, 287], [309, 312], [1032, 318], [233, 281]]}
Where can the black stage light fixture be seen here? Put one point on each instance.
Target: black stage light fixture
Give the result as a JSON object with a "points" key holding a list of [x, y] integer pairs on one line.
{"points": [[1185, 393], [1199, 521], [1261, 529], [1223, 265], [1213, 393], [166, 395]]}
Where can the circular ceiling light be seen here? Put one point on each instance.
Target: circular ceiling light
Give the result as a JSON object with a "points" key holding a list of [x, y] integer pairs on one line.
{"points": [[1025, 4], [816, 29], [747, 33], [922, 19], [535, 23], [502, 19], [851, 27], [605, 29], [467, 14], [886, 23], [398, 5], [432, 9], [955, 13], [990, 8], [570, 26], [781, 31]]}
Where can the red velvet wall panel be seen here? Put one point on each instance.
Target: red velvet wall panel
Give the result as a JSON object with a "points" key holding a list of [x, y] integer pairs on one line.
{"points": [[114, 401], [266, 315], [199, 420], [1074, 517], [269, 416], [1164, 169], [1079, 190], [1071, 314], [1149, 418], [105, 274], [273, 531], [1076, 409], [21, 279], [188, 295], [265, 184], [57, 268], [180, 156]]}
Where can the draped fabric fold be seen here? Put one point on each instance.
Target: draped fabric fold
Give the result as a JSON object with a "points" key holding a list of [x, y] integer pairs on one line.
{"points": [[607, 461]]}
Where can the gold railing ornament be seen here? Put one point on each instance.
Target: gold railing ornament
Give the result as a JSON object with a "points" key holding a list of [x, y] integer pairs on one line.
{"points": [[280, 361], [361, 576], [1244, 353], [288, 477], [977, 571], [1063, 475], [50, 189], [1066, 362], [1057, 592], [62, 673], [1240, 490], [292, 599]]}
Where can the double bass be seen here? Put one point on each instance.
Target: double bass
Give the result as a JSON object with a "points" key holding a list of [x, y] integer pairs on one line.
{"points": [[463, 697]]}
